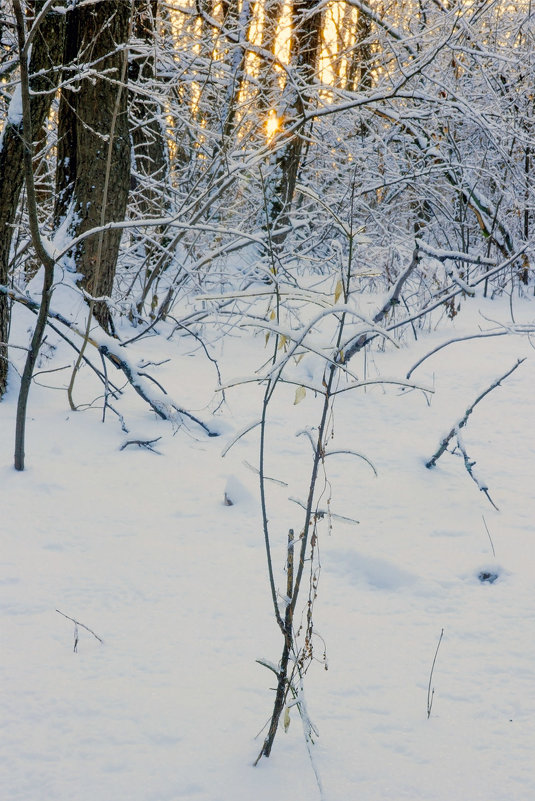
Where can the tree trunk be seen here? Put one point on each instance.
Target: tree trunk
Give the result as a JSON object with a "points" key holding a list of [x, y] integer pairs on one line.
{"points": [[238, 23], [297, 100], [360, 74], [47, 52], [268, 76], [93, 172]]}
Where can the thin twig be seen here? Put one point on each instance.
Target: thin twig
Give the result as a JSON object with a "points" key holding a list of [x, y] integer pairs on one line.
{"points": [[142, 443], [76, 624], [451, 342], [431, 693], [319, 514], [470, 464], [490, 538]]}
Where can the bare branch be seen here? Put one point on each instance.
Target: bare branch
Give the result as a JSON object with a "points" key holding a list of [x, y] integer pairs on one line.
{"points": [[464, 419]]}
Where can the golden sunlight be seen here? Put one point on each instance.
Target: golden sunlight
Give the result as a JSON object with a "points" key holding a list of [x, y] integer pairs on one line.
{"points": [[273, 124]]}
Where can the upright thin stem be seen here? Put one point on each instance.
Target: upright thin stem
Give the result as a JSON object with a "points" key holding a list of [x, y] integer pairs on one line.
{"points": [[46, 260]]}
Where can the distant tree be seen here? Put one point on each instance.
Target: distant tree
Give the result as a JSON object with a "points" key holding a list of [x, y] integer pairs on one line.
{"points": [[297, 99]]}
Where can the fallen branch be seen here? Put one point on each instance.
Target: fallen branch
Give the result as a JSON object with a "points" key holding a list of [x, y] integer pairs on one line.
{"points": [[464, 419], [159, 401], [357, 344], [141, 443]]}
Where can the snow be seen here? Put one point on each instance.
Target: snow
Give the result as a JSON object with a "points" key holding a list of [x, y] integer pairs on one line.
{"points": [[141, 548], [14, 114]]}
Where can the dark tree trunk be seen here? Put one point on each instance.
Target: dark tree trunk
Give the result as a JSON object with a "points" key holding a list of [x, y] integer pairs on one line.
{"points": [[47, 52], [268, 76], [360, 75], [298, 100], [93, 173]]}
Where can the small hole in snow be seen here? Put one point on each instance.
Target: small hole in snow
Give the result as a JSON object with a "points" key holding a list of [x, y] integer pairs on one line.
{"points": [[487, 576]]}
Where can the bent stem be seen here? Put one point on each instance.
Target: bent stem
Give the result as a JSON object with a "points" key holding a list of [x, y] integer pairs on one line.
{"points": [[41, 252], [290, 651]]}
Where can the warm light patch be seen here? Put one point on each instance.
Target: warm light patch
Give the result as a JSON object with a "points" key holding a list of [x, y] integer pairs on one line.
{"points": [[273, 124], [283, 40]]}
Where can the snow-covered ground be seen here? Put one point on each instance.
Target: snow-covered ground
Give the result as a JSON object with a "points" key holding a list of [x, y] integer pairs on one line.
{"points": [[141, 548]]}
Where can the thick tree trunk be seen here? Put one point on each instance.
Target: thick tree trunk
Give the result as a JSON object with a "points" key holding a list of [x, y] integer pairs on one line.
{"points": [[93, 173], [47, 52]]}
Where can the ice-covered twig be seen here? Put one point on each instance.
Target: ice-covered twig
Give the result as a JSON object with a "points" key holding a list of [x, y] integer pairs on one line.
{"points": [[447, 293], [470, 464], [453, 255], [394, 381], [321, 513], [241, 433], [307, 432], [269, 665], [33, 306], [158, 399], [482, 335], [352, 453], [266, 478], [160, 402], [309, 729]]}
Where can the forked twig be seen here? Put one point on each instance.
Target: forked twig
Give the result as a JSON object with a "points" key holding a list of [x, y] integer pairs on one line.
{"points": [[76, 624]]}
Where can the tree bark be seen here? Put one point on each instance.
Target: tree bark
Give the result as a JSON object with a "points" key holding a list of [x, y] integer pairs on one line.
{"points": [[360, 75], [93, 172], [47, 52]]}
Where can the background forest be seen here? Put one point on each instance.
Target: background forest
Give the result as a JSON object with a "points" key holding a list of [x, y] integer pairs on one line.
{"points": [[317, 197], [184, 150]]}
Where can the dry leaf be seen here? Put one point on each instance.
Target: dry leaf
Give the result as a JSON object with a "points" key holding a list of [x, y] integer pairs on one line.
{"points": [[300, 394], [338, 291], [286, 718]]}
